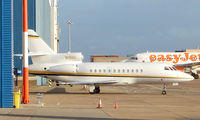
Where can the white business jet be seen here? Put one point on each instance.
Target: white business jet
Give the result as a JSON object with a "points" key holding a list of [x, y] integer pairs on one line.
{"points": [[69, 68]]}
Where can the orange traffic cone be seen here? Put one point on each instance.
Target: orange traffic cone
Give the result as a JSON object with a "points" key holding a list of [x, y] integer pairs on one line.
{"points": [[84, 87], [116, 106], [99, 104]]}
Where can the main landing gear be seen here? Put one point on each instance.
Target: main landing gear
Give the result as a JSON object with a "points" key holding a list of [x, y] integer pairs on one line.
{"points": [[164, 92], [94, 90]]}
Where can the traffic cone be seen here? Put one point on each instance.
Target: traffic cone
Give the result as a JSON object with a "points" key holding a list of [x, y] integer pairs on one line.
{"points": [[84, 87], [99, 104], [116, 106]]}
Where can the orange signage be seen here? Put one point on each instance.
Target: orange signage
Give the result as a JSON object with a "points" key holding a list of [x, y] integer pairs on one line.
{"points": [[175, 58]]}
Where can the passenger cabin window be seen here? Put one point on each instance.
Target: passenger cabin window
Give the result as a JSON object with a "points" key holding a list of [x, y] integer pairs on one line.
{"points": [[141, 70], [95, 70], [99, 70], [134, 58], [132, 70], [118, 70], [91, 70], [136, 70], [104, 70]]}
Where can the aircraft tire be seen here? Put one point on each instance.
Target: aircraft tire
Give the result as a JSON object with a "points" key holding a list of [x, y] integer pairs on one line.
{"points": [[164, 92], [97, 89]]}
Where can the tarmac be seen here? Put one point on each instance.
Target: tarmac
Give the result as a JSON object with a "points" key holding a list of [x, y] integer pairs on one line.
{"points": [[136, 102]]}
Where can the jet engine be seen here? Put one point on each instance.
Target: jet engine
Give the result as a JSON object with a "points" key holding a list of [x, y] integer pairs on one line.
{"points": [[65, 68]]}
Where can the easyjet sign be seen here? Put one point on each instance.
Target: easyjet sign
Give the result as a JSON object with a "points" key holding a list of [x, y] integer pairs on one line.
{"points": [[175, 58]]}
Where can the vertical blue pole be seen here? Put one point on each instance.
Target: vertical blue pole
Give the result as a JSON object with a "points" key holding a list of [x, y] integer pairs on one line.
{"points": [[6, 79]]}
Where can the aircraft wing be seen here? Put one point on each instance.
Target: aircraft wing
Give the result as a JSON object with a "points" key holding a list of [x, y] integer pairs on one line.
{"points": [[92, 82]]}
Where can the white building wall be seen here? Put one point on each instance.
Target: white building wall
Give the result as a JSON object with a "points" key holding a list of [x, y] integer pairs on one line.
{"points": [[43, 20]]}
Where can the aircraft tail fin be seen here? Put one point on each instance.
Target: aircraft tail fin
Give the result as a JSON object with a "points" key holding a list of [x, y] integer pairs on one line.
{"points": [[38, 49], [36, 44], [41, 53]]}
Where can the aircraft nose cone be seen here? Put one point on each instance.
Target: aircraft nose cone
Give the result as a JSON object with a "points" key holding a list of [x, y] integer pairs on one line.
{"points": [[188, 77]]}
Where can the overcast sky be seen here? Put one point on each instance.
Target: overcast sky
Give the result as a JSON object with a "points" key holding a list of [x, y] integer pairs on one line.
{"points": [[105, 27]]}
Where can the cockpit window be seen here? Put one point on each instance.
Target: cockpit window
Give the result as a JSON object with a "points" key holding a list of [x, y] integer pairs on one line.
{"points": [[170, 68], [174, 68], [166, 68]]}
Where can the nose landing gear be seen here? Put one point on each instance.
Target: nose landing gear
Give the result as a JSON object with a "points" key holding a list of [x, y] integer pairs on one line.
{"points": [[164, 92]]}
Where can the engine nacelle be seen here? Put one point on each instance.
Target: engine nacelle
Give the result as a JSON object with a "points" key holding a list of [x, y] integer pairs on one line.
{"points": [[66, 68]]}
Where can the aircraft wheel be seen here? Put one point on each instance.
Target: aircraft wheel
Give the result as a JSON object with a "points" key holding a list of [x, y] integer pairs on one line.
{"points": [[196, 76], [97, 89], [57, 83], [92, 90], [164, 92]]}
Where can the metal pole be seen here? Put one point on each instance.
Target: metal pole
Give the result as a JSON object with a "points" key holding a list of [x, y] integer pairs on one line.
{"points": [[69, 36], [25, 88]]}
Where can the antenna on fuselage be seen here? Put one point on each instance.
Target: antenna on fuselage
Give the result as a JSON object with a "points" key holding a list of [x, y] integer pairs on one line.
{"points": [[69, 35]]}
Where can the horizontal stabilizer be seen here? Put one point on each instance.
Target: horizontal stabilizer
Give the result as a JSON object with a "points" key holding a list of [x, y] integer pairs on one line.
{"points": [[32, 54]]}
